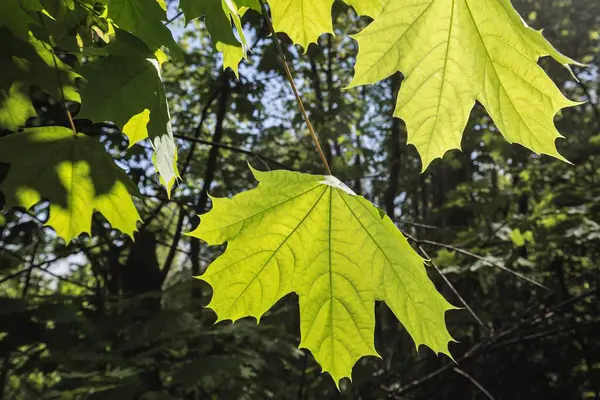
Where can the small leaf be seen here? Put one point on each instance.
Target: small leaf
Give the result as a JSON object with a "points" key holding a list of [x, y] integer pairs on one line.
{"points": [[313, 236], [305, 20], [75, 173], [517, 237]]}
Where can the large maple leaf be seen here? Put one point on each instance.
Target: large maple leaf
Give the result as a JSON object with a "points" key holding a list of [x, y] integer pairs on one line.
{"points": [[313, 236], [454, 52], [74, 173]]}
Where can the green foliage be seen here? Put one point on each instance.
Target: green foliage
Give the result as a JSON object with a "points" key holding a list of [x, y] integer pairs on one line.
{"points": [[24, 65], [453, 54], [36, 64], [305, 20], [13, 16], [218, 15], [110, 317], [126, 88], [312, 235], [144, 19], [74, 173]]}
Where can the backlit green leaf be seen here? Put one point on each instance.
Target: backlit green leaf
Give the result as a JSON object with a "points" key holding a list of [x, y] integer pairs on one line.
{"points": [[75, 173], [313, 236], [218, 15], [456, 52], [129, 92], [27, 64], [14, 17], [144, 19]]}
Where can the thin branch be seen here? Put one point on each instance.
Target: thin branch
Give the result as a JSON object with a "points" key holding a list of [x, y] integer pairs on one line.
{"points": [[42, 265], [179, 14], [474, 382], [477, 348], [290, 79], [198, 130], [63, 100], [590, 99], [460, 298], [173, 249], [235, 149], [477, 257], [68, 280], [533, 336], [418, 225]]}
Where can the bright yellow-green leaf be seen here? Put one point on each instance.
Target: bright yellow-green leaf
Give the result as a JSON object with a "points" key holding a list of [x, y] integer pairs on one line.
{"points": [[517, 237], [15, 107], [312, 235], [305, 20], [75, 174], [454, 52], [371, 8], [136, 128], [162, 4]]}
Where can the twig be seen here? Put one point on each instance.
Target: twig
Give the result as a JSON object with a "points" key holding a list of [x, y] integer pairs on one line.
{"points": [[42, 265], [478, 257], [418, 225], [477, 348], [460, 298], [290, 79], [63, 100], [549, 332], [235, 149], [68, 280], [179, 14], [198, 130], [474, 382], [173, 249]]}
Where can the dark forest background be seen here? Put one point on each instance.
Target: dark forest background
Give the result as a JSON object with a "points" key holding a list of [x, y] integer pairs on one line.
{"points": [[516, 234]]}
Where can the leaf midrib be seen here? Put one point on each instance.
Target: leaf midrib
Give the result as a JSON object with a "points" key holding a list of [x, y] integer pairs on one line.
{"points": [[275, 252], [491, 61], [444, 70]]}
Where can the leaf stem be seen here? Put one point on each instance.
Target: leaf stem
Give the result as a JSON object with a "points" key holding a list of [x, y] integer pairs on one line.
{"points": [[60, 85], [290, 79]]}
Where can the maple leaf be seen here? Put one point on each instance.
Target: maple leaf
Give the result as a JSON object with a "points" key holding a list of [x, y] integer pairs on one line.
{"points": [[218, 15], [454, 52], [27, 64], [75, 173], [312, 235], [126, 89], [144, 19], [305, 20]]}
